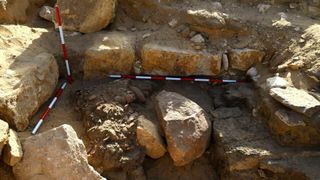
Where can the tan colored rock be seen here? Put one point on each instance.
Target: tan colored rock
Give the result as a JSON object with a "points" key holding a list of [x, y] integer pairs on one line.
{"points": [[110, 53], [297, 166], [243, 144], [87, 16], [12, 152], [240, 143], [243, 59], [25, 86], [47, 13], [302, 102], [163, 60], [13, 11], [148, 137], [290, 128], [186, 126], [4, 134], [54, 154], [28, 74]]}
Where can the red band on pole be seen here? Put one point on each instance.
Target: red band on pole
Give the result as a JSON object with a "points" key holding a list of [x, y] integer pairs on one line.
{"points": [[187, 79], [58, 14], [69, 79], [45, 114], [216, 80], [64, 49], [158, 78], [128, 76], [59, 92]]}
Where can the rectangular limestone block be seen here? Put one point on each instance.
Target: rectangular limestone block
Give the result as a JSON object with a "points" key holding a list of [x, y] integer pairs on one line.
{"points": [[244, 59], [111, 53], [163, 60]]}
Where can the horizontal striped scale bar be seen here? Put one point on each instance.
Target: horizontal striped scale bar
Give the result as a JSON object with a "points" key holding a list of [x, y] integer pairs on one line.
{"points": [[51, 105], [167, 78]]}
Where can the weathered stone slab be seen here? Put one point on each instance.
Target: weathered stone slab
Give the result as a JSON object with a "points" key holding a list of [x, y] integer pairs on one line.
{"points": [[297, 100], [164, 60]]}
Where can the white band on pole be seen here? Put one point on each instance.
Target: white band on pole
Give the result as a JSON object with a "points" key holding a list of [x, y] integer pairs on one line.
{"points": [[202, 80], [34, 131], [53, 102], [68, 67], [64, 85], [173, 79], [115, 76], [229, 81], [61, 35], [143, 77]]}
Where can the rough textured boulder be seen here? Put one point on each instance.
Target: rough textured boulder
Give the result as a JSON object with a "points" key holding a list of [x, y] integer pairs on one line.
{"points": [[47, 13], [298, 166], [16, 11], [148, 137], [28, 74], [244, 147], [12, 152], [186, 127], [54, 154], [109, 53], [276, 82], [13, 11], [243, 59], [87, 16], [25, 86], [291, 128], [163, 60], [4, 134], [298, 100]]}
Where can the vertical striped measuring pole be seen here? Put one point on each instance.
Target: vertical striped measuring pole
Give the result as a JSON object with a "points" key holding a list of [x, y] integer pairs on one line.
{"points": [[52, 103], [63, 45]]}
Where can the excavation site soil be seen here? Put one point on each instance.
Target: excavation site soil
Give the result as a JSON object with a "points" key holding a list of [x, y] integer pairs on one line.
{"points": [[161, 90]]}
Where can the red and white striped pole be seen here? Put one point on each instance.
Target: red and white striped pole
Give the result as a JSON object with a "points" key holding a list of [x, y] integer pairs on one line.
{"points": [[52, 103], [166, 78], [63, 45]]}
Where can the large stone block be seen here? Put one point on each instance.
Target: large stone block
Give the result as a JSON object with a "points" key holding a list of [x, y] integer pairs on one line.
{"points": [[291, 128], [186, 126], [25, 86], [13, 11], [28, 74], [243, 59], [164, 60], [55, 154], [110, 53], [87, 16], [297, 100]]}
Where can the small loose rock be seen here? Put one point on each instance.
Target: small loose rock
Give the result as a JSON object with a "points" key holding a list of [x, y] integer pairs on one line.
{"points": [[198, 39]]}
